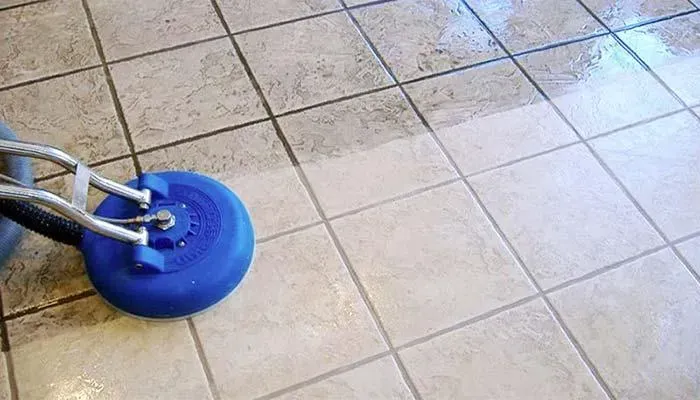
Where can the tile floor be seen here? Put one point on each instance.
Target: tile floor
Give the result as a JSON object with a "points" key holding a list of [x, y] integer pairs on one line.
{"points": [[480, 199]]}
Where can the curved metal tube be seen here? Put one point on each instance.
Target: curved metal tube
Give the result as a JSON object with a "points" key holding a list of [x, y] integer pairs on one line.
{"points": [[66, 209], [70, 163]]}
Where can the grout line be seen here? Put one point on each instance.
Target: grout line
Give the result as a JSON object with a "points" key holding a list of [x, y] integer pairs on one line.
{"points": [[5, 342], [58, 302], [11, 376], [27, 3], [203, 360], [90, 165], [165, 49], [685, 238], [336, 100], [324, 376], [652, 20], [287, 232], [521, 159], [112, 88], [48, 77]]}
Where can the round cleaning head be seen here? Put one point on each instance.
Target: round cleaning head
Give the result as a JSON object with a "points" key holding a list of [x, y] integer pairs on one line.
{"points": [[200, 247]]}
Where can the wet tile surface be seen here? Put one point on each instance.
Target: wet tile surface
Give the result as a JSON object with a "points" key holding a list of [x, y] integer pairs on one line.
{"points": [[74, 113], [320, 59], [419, 37], [253, 163], [672, 49], [564, 215], [183, 93], [522, 25], [598, 86], [44, 39], [296, 316], [87, 350], [618, 14], [489, 115], [131, 27], [658, 163], [519, 354], [365, 150], [637, 324], [438, 246], [246, 14]]}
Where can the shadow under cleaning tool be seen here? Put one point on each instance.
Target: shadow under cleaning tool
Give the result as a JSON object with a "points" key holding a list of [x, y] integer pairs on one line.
{"points": [[166, 245]]}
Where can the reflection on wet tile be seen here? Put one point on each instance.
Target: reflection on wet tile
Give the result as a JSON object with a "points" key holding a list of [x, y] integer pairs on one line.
{"points": [[419, 37], [85, 350], [377, 380], [489, 115], [44, 39], [364, 150], [74, 113], [319, 59], [672, 49], [42, 271], [564, 215], [619, 13], [186, 92], [253, 163], [691, 251], [130, 27], [296, 315], [659, 164], [598, 86], [246, 14], [523, 25], [519, 354], [639, 325], [430, 261]]}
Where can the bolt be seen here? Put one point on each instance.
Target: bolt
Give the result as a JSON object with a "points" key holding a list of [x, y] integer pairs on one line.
{"points": [[163, 215]]}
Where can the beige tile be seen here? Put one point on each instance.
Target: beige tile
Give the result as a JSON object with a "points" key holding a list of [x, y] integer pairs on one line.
{"points": [[297, 315], [672, 49], [691, 251], [131, 27], [351, 3], [489, 115], [620, 13], [523, 25], [42, 271], [253, 163], [10, 3], [74, 113], [4, 380], [319, 59], [44, 39], [246, 14], [520, 354], [422, 37], [430, 261], [639, 325], [186, 92], [564, 215], [377, 380], [598, 86], [364, 150], [88, 351], [658, 163]]}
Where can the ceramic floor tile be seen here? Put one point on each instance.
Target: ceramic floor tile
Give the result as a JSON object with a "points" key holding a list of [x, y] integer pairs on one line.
{"points": [[4, 382], [564, 215], [691, 251], [296, 315], [131, 27], [364, 150], [42, 271], [319, 59], [377, 380], [639, 325], [430, 261], [520, 354], [617, 14], [419, 37], [10, 3], [658, 163], [672, 49], [86, 350], [598, 86], [489, 115], [523, 25], [44, 39], [74, 113], [246, 14], [182, 93], [253, 163]]}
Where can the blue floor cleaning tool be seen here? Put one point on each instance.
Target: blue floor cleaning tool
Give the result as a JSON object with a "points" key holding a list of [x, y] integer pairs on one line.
{"points": [[166, 245]]}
